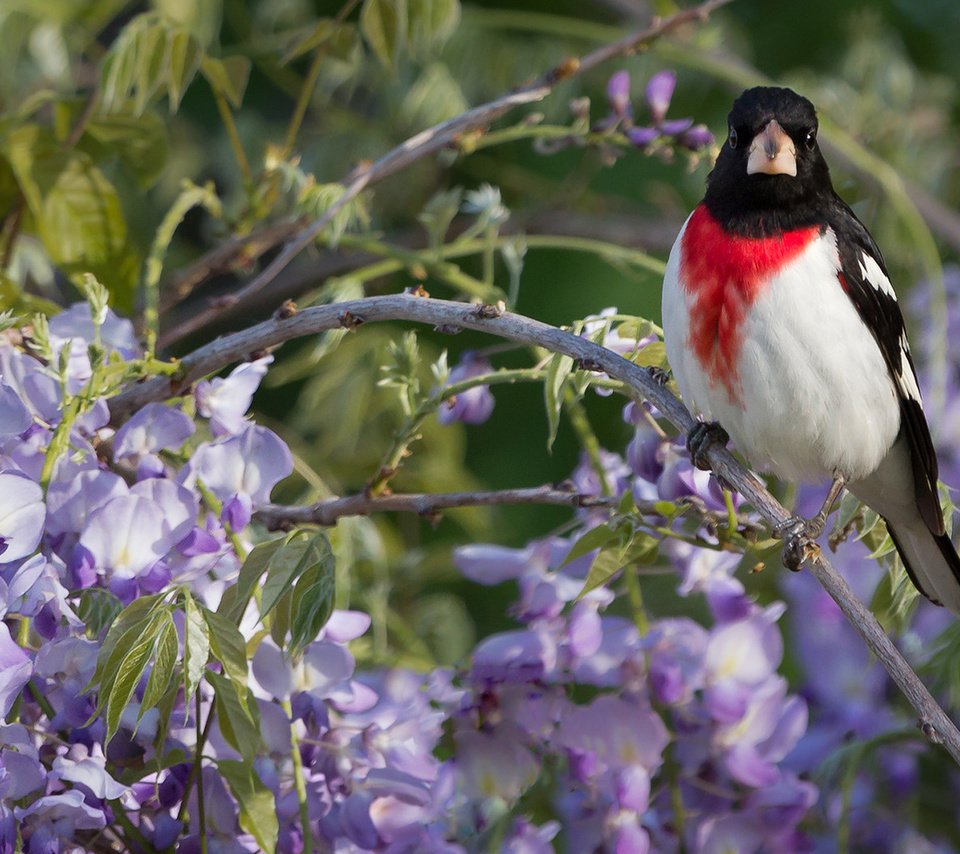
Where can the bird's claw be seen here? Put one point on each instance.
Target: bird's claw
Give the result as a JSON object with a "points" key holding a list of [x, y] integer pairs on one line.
{"points": [[702, 435], [658, 374], [799, 539]]}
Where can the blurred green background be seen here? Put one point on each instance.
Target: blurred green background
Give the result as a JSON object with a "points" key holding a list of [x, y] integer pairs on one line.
{"points": [[883, 75]]}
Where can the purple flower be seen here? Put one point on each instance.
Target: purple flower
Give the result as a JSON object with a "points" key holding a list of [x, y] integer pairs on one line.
{"points": [[617, 733], [528, 838], [22, 514], [697, 138], [76, 324], [618, 92], [36, 586], [495, 764], [53, 818], [89, 770], [725, 833], [126, 536], [14, 416], [35, 388], [20, 770], [515, 656], [225, 401], [677, 650], [491, 564], [641, 137], [659, 93], [474, 405], [740, 657], [70, 501], [154, 428], [250, 463]]}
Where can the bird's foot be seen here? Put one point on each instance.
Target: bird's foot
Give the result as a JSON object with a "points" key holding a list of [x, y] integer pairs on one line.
{"points": [[701, 437], [658, 374], [799, 537]]}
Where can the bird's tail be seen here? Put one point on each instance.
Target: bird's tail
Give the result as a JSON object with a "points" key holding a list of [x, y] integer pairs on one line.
{"points": [[931, 562]]}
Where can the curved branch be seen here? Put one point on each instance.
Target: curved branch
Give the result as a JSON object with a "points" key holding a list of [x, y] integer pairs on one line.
{"points": [[435, 138], [452, 316]]}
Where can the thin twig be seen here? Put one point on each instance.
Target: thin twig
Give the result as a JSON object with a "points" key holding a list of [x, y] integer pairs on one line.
{"points": [[236, 253], [436, 138], [451, 315]]}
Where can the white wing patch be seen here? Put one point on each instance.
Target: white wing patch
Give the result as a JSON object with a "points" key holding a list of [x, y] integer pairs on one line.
{"points": [[874, 276], [906, 379]]}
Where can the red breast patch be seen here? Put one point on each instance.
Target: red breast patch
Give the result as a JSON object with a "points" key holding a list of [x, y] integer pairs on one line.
{"points": [[725, 273]]}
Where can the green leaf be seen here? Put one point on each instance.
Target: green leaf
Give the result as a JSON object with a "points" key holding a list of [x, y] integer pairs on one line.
{"points": [[183, 60], [652, 355], [239, 723], [227, 76], [141, 143], [280, 619], [151, 57], [258, 811], [135, 616], [608, 562], [77, 210], [167, 652], [438, 214], [97, 610], [235, 598], [196, 645], [150, 69], [595, 538], [229, 649], [430, 22], [384, 26], [642, 549], [299, 553], [312, 602], [133, 660], [558, 369]]}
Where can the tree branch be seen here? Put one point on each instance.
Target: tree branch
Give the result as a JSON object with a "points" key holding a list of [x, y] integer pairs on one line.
{"points": [[435, 138], [329, 510], [451, 316]]}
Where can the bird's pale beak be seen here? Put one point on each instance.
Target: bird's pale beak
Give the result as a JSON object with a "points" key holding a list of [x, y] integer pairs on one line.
{"points": [[772, 152]]}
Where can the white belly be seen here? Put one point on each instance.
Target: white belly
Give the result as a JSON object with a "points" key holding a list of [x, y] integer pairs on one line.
{"points": [[814, 393]]}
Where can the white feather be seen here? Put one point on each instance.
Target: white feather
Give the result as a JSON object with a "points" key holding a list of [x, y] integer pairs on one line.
{"points": [[815, 395]]}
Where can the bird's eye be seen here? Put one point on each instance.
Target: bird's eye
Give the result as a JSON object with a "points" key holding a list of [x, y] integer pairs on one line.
{"points": [[732, 138], [810, 140]]}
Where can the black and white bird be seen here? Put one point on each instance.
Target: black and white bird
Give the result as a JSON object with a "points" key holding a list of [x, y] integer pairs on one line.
{"points": [[781, 325]]}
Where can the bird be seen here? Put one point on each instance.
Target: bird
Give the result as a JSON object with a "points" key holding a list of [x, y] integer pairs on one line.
{"points": [[783, 333]]}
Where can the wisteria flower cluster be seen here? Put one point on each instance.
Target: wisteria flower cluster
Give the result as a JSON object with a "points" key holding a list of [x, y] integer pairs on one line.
{"points": [[133, 642], [658, 93]]}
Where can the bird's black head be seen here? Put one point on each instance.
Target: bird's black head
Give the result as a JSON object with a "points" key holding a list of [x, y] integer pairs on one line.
{"points": [[770, 175]]}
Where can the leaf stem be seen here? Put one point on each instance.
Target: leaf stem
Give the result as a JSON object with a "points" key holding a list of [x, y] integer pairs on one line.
{"points": [[201, 806], [299, 780]]}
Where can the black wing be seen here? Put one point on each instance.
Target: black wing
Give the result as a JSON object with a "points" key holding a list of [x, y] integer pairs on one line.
{"points": [[868, 286]]}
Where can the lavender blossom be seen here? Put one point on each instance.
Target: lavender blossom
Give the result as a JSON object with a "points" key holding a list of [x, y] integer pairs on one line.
{"points": [[618, 92], [225, 401], [249, 463], [22, 514], [475, 405], [156, 427], [659, 93]]}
